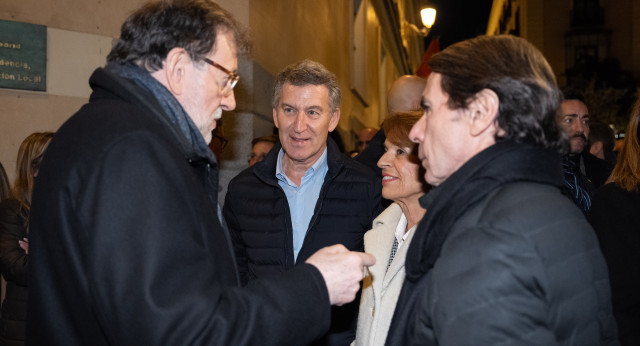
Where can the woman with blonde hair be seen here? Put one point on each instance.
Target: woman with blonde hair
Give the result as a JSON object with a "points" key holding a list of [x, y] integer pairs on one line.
{"points": [[615, 216], [14, 244], [392, 230]]}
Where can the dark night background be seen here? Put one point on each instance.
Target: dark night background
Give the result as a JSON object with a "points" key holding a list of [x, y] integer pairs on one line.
{"points": [[457, 20]]}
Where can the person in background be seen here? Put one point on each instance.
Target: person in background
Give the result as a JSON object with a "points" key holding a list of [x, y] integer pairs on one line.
{"points": [[306, 194], [260, 147], [573, 120], [14, 241], [392, 230], [218, 141], [364, 137], [403, 96], [5, 188], [583, 172], [601, 142], [128, 246], [615, 216], [501, 257]]}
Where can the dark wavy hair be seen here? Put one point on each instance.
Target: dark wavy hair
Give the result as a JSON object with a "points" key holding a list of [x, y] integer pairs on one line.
{"points": [[305, 73], [602, 132], [521, 77], [572, 94], [152, 31]]}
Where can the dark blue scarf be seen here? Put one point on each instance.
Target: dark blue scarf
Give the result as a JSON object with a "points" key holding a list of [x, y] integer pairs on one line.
{"points": [[577, 187], [169, 104]]}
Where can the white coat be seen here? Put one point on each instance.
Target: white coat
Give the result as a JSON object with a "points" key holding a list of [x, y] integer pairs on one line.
{"points": [[381, 287]]}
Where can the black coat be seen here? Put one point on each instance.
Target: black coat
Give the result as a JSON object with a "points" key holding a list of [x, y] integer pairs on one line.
{"points": [[127, 247], [258, 215], [596, 170], [13, 263], [615, 216], [502, 258]]}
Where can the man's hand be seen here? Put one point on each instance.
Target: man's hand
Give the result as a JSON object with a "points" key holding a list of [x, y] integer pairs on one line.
{"points": [[342, 271]]}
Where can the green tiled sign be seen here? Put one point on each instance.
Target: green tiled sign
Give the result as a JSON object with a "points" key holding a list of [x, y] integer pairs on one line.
{"points": [[23, 56]]}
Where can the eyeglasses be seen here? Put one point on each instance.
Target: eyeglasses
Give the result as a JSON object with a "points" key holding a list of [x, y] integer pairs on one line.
{"points": [[223, 141], [231, 81]]}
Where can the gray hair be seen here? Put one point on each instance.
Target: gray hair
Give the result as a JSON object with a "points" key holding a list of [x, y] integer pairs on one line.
{"points": [[305, 73], [152, 31]]}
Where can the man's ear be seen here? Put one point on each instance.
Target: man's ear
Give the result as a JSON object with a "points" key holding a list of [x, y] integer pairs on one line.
{"points": [[275, 118], [176, 67], [334, 120], [483, 112]]}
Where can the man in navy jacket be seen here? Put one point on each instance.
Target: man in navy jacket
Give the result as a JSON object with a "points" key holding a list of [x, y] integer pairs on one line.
{"points": [[305, 195]]}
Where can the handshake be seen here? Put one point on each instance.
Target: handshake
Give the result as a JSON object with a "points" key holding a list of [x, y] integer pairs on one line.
{"points": [[342, 271]]}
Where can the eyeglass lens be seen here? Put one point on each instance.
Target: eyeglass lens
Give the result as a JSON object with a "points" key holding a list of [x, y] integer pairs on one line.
{"points": [[232, 77]]}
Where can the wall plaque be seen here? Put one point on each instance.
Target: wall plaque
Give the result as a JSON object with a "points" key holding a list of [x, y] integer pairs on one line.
{"points": [[23, 56]]}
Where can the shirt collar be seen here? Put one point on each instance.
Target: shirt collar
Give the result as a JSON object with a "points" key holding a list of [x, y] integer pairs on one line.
{"points": [[320, 163], [401, 235]]}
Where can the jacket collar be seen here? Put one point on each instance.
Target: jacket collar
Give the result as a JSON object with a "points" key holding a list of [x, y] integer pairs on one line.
{"points": [[472, 182], [378, 242], [379, 239], [127, 90]]}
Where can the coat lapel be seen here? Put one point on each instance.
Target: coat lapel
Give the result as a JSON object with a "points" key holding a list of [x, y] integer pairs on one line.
{"points": [[398, 261], [378, 242]]}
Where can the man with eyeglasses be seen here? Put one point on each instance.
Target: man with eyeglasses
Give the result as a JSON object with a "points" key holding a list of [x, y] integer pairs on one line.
{"points": [[127, 242]]}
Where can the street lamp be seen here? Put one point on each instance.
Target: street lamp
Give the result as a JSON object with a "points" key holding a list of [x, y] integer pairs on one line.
{"points": [[428, 16]]}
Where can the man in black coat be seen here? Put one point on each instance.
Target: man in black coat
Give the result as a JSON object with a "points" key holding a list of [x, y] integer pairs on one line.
{"points": [[127, 243], [583, 172], [500, 257], [305, 195]]}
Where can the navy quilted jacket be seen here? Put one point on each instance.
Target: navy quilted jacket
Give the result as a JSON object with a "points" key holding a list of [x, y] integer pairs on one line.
{"points": [[258, 214]]}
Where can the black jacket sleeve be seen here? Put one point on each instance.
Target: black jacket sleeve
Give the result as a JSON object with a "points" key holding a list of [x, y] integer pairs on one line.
{"points": [[13, 259], [147, 254], [239, 246]]}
